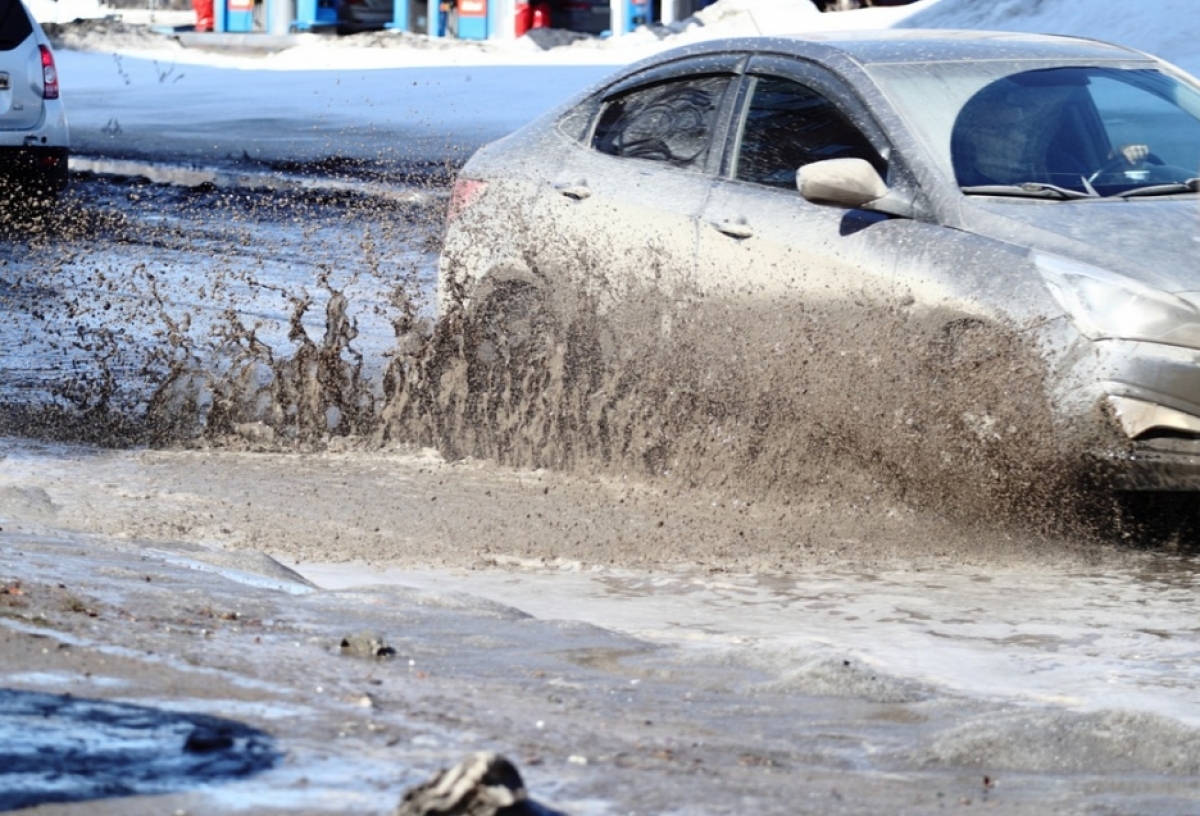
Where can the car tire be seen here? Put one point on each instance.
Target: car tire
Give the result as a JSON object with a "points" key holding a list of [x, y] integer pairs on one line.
{"points": [[1167, 521], [515, 378], [511, 326]]}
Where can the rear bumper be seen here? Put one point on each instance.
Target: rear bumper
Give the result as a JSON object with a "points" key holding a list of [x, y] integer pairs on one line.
{"points": [[46, 166]]}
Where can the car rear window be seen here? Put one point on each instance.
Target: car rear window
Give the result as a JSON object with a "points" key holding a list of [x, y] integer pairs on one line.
{"points": [[671, 122], [14, 24]]}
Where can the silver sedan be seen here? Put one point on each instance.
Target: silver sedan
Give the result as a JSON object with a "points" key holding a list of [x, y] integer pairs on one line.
{"points": [[966, 257]]}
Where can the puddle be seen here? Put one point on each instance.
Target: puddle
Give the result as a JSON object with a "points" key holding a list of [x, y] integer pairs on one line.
{"points": [[63, 748], [211, 177]]}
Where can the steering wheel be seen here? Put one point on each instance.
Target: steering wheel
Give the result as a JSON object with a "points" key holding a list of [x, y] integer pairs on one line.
{"points": [[1120, 163]]}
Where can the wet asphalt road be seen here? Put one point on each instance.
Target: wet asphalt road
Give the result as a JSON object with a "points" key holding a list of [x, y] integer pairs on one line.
{"points": [[129, 277]]}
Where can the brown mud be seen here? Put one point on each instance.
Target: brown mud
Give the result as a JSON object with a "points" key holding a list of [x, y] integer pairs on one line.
{"points": [[870, 408], [871, 413]]}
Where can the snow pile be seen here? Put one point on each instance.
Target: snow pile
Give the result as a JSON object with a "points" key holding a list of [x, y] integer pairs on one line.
{"points": [[106, 34], [751, 17], [1166, 28], [64, 11]]}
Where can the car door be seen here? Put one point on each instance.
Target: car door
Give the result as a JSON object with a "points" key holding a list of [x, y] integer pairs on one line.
{"points": [[759, 239], [796, 301], [622, 208]]}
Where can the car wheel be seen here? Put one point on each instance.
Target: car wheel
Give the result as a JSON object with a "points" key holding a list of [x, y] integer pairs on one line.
{"points": [[510, 328], [991, 433], [1169, 521], [515, 378]]}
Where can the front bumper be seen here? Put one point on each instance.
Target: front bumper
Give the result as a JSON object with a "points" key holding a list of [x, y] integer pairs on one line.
{"points": [[1159, 465], [1164, 451], [1148, 396]]}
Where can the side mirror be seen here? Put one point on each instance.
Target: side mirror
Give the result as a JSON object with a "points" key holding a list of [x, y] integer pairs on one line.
{"points": [[850, 183]]}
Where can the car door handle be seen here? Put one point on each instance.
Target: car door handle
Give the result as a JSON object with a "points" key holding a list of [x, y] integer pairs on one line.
{"points": [[575, 190], [734, 229]]}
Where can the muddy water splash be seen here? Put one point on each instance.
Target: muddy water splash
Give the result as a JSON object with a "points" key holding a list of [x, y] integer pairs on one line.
{"points": [[151, 313], [303, 320], [874, 407]]}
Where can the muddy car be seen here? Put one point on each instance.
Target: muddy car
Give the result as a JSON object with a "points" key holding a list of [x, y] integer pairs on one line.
{"points": [[965, 254], [33, 125]]}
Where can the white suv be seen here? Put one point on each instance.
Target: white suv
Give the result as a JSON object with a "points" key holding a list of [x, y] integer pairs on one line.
{"points": [[34, 140]]}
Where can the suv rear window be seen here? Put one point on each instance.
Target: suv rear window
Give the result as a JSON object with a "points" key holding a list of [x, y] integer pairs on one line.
{"points": [[14, 24]]}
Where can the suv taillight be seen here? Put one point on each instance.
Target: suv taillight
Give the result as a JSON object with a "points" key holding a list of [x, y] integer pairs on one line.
{"points": [[49, 74], [463, 195]]}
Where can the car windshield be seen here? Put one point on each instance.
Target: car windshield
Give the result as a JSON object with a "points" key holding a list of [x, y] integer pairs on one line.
{"points": [[1013, 128]]}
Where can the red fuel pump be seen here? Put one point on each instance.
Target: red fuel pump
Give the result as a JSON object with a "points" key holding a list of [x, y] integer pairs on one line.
{"points": [[204, 14]]}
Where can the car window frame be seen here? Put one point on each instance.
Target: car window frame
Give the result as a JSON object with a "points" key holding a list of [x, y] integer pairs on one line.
{"points": [[692, 67], [820, 80], [731, 63]]}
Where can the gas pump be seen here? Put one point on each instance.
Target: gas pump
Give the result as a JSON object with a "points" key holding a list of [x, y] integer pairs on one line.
{"points": [[627, 15], [233, 15], [472, 19], [637, 14], [420, 16], [312, 14]]}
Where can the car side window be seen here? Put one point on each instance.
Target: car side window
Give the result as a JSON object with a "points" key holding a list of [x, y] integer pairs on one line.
{"points": [[788, 125], [671, 122]]}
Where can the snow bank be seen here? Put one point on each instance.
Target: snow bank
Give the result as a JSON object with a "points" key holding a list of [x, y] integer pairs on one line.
{"points": [[64, 11], [1166, 28]]}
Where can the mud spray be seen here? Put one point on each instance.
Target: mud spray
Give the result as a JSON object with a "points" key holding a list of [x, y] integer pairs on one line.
{"points": [[205, 336]]}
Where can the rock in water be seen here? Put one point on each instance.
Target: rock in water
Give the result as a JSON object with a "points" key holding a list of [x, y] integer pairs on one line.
{"points": [[366, 644], [483, 784]]}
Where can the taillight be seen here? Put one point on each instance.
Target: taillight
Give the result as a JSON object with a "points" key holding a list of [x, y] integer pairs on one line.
{"points": [[464, 193], [49, 74]]}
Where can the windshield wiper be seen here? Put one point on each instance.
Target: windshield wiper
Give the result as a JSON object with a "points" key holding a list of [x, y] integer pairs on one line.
{"points": [[1028, 189], [1192, 185]]}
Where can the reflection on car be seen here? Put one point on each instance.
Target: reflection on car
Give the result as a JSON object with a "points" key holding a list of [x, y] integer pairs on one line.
{"points": [[964, 245]]}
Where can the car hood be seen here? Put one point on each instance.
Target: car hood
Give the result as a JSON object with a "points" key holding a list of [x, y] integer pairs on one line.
{"points": [[1151, 241]]}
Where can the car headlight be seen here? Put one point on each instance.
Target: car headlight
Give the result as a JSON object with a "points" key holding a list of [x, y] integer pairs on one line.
{"points": [[1105, 305]]}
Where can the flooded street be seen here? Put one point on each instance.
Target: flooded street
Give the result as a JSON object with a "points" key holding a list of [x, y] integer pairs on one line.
{"points": [[544, 617], [313, 619]]}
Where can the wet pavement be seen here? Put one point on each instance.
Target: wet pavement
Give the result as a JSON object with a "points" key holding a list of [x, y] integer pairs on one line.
{"points": [[313, 628], [849, 687]]}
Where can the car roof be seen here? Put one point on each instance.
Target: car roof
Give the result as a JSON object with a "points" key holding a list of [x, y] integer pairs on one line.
{"points": [[933, 45]]}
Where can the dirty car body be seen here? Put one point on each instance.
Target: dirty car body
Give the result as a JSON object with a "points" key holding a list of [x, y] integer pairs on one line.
{"points": [[1044, 187]]}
